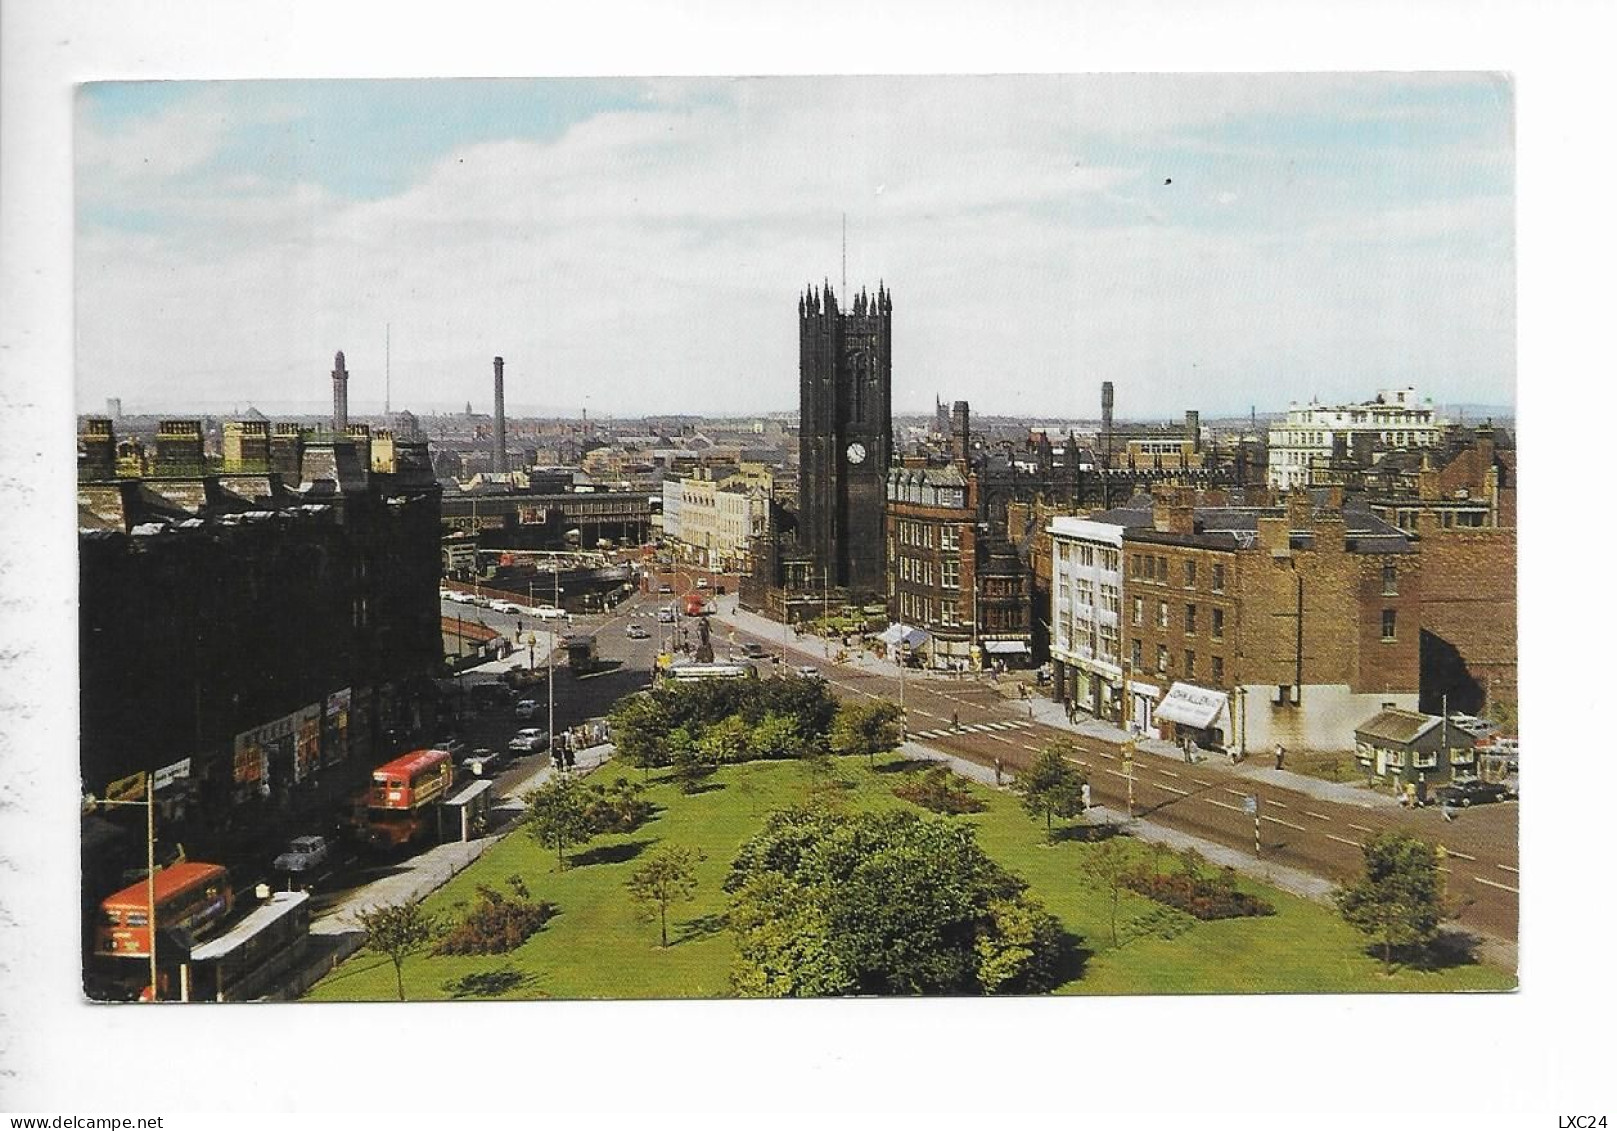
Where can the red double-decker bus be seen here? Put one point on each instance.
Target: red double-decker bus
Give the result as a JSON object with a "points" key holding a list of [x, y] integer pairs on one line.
{"points": [[399, 805], [189, 897]]}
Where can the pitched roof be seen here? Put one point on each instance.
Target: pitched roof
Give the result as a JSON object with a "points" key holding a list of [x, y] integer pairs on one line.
{"points": [[1397, 725]]}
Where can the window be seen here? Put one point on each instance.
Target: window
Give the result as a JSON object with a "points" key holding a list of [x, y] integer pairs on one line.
{"points": [[1162, 614], [1190, 664], [1389, 580], [949, 537], [1162, 570], [1086, 555], [1218, 669], [1150, 568], [1139, 611], [1134, 654], [1218, 624], [1190, 573], [1110, 599], [1162, 659], [1190, 620], [1218, 577], [1389, 624], [951, 574]]}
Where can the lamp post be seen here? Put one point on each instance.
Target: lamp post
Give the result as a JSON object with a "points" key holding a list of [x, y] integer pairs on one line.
{"points": [[550, 662], [151, 873]]}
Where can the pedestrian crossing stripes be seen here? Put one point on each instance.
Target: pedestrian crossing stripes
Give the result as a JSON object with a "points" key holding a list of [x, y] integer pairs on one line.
{"points": [[971, 728]]}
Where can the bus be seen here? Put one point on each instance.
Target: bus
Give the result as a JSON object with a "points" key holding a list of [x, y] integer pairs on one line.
{"points": [[191, 897], [682, 673], [403, 794], [696, 605]]}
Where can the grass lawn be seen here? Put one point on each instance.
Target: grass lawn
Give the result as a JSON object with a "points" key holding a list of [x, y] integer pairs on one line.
{"points": [[1325, 766], [598, 947]]}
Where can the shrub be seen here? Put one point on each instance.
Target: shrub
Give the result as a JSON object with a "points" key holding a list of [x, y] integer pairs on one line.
{"points": [[497, 924], [618, 808], [1203, 897], [941, 790]]}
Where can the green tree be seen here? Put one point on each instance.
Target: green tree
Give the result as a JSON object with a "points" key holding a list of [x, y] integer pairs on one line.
{"points": [[669, 876], [881, 903], [867, 728], [725, 741], [640, 725], [398, 930], [1052, 786], [777, 736], [1398, 900], [558, 815], [1105, 866], [689, 762]]}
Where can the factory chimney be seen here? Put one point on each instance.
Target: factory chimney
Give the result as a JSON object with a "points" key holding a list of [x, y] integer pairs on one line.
{"points": [[339, 397], [501, 464]]}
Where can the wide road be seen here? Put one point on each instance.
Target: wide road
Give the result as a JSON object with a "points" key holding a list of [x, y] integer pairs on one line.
{"points": [[1206, 800]]}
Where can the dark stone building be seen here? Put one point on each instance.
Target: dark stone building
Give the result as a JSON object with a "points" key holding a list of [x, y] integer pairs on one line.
{"points": [[845, 438], [276, 634]]}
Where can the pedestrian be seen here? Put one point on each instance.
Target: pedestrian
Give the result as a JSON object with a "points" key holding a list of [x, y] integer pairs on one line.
{"points": [[1280, 756], [1085, 795], [1232, 756], [999, 771], [1448, 811], [954, 721], [1189, 746]]}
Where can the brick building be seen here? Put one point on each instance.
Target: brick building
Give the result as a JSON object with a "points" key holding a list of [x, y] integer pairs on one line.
{"points": [[1238, 626]]}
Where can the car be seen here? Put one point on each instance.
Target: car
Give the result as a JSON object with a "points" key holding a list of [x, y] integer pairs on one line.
{"points": [[482, 761], [701, 583], [809, 671], [665, 588], [1472, 791], [501, 606], [665, 616], [547, 612], [528, 709], [529, 740], [304, 855], [636, 632], [456, 596], [754, 650]]}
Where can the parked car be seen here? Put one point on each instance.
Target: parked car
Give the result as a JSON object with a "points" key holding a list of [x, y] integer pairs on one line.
{"points": [[528, 709], [483, 761], [665, 616], [754, 650], [701, 583], [809, 671], [636, 632], [304, 855], [528, 740], [547, 612], [1471, 792]]}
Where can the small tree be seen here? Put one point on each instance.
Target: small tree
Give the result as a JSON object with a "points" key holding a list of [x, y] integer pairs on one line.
{"points": [[865, 728], [669, 876], [398, 930], [777, 736], [558, 814], [1398, 901], [725, 741], [1106, 865], [1052, 786]]}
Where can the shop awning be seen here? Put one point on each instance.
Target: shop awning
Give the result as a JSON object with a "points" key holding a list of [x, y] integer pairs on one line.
{"points": [[1191, 706], [905, 634], [1004, 647]]}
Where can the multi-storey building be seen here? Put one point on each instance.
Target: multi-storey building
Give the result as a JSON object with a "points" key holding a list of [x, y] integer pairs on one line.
{"points": [[1302, 447], [1239, 627]]}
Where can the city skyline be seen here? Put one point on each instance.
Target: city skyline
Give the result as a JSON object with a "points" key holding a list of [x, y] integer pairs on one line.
{"points": [[1220, 242]]}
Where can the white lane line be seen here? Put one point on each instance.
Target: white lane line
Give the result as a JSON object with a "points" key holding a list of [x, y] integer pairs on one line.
{"points": [[1460, 855], [1311, 813], [1288, 824], [1343, 840], [1507, 868], [1361, 828], [1002, 738], [1167, 773], [1275, 804], [1171, 789], [1035, 750], [1501, 887], [1199, 781], [1115, 773], [1223, 805], [1235, 792]]}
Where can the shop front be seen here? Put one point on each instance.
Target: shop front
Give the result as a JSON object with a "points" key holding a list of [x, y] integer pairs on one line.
{"points": [[1195, 715]]}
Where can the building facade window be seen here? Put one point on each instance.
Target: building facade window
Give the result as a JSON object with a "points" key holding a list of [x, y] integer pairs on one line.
{"points": [[1389, 624], [1139, 611], [1218, 577], [1218, 624], [1190, 664], [1134, 654], [1162, 614], [1162, 659], [1218, 669], [1190, 573], [1389, 580], [1190, 620]]}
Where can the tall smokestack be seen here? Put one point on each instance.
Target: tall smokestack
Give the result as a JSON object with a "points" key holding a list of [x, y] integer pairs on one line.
{"points": [[339, 396], [1106, 423], [500, 463], [960, 432]]}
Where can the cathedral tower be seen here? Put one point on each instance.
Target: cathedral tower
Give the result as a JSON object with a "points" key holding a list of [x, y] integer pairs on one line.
{"points": [[845, 437]]}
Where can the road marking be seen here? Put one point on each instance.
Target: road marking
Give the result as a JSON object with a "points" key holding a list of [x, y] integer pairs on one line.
{"points": [[1502, 887], [1172, 789], [1311, 813], [1361, 828], [1224, 805], [1035, 750], [1199, 781], [1167, 773], [1002, 738], [1508, 868], [1235, 792], [1343, 840], [1115, 773], [1288, 824], [1276, 804]]}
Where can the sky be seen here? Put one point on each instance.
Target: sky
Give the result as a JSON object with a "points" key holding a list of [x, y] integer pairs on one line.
{"points": [[1220, 242]]}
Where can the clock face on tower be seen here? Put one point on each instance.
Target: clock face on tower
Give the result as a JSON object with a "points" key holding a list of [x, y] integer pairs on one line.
{"points": [[856, 453]]}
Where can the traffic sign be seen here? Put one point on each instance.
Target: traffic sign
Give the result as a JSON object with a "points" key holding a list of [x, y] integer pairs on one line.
{"points": [[1250, 804]]}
